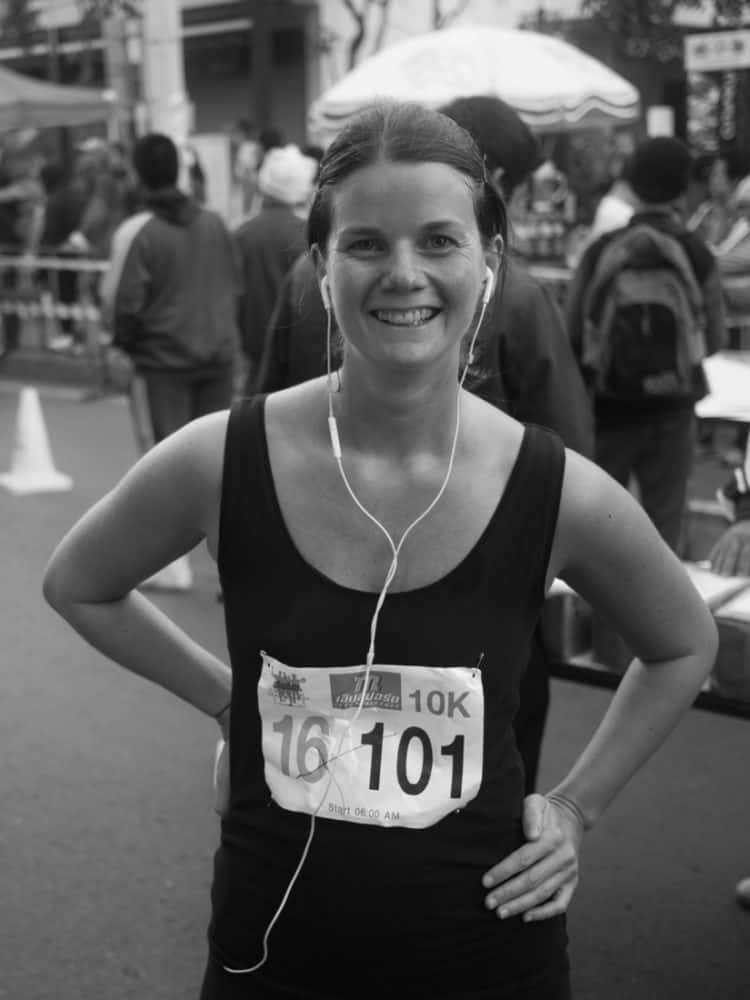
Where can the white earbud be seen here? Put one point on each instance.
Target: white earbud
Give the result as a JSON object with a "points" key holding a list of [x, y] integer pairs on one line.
{"points": [[325, 293], [488, 286]]}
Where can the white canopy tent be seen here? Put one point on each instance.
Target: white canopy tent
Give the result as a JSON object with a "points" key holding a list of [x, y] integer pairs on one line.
{"points": [[554, 86]]}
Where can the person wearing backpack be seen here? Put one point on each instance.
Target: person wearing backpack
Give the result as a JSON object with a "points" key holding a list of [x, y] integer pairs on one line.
{"points": [[644, 307]]}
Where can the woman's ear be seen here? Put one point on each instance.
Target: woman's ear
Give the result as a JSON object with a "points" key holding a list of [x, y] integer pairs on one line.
{"points": [[320, 273], [493, 257]]}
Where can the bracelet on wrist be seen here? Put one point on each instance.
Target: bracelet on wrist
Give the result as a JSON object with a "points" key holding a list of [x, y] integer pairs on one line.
{"points": [[571, 806]]}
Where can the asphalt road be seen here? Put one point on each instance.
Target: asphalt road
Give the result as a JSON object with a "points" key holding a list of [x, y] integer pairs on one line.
{"points": [[107, 829]]}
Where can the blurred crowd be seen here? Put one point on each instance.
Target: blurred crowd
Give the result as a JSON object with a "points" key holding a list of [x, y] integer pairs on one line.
{"points": [[74, 210]]}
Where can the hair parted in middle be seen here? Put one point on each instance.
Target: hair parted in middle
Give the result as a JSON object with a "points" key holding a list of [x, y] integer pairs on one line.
{"points": [[395, 132]]}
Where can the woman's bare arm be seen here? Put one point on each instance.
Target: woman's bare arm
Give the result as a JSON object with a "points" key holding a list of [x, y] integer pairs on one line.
{"points": [[164, 506], [607, 549]]}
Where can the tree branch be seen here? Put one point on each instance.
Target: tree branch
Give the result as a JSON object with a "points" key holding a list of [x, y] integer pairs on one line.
{"points": [[441, 18], [360, 19], [384, 11]]}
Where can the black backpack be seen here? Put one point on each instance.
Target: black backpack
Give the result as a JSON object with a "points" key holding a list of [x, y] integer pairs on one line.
{"points": [[643, 326]]}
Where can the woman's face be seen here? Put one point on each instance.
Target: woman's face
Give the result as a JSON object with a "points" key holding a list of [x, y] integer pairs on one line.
{"points": [[405, 262]]}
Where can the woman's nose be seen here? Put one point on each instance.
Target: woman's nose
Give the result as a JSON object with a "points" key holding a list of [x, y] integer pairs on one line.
{"points": [[403, 270]]}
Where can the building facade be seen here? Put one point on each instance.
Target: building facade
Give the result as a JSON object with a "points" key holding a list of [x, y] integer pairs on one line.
{"points": [[229, 72]]}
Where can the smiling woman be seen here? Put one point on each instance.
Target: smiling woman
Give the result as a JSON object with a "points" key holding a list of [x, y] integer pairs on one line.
{"points": [[403, 248], [385, 541], [405, 285]]}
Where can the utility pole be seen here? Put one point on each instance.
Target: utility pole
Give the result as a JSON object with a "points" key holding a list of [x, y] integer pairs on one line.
{"points": [[167, 106], [114, 20]]}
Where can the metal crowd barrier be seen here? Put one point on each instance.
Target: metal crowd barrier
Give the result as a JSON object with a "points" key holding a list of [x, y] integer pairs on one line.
{"points": [[49, 306]]}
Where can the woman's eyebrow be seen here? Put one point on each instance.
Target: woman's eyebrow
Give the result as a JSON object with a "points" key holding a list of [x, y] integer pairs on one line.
{"points": [[358, 230], [444, 224]]}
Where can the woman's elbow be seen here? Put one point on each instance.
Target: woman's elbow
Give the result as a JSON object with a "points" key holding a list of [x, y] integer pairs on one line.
{"points": [[53, 587], [58, 586], [705, 644]]}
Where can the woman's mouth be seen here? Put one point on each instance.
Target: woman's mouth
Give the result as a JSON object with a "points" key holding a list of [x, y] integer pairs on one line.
{"points": [[405, 317]]}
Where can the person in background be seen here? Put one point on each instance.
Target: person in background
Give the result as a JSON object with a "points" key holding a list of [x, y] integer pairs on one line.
{"points": [[698, 188], [524, 362], [63, 207], [170, 298], [269, 242], [652, 437], [246, 154], [713, 220], [730, 556], [170, 294], [315, 151], [733, 253], [376, 797], [733, 261], [195, 175], [22, 200], [111, 195], [268, 139], [614, 210], [696, 198]]}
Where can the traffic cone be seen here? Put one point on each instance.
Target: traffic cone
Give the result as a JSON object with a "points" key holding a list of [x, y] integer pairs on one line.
{"points": [[32, 469]]}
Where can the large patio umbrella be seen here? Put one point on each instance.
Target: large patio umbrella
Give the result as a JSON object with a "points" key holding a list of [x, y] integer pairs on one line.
{"points": [[553, 85], [29, 103]]}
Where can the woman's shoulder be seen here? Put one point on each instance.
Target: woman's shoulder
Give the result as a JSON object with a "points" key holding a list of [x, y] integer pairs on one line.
{"points": [[204, 432], [596, 516], [297, 405], [492, 431]]}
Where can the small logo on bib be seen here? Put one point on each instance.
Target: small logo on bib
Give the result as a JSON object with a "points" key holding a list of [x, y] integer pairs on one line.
{"points": [[383, 690], [287, 688]]}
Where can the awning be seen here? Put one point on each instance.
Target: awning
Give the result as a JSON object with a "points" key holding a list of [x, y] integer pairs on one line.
{"points": [[29, 103]]}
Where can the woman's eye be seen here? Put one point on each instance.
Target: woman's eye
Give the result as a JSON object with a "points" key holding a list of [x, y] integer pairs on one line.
{"points": [[440, 242], [365, 244]]}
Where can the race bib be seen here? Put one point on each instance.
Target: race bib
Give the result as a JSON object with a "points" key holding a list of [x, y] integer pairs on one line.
{"points": [[409, 757]]}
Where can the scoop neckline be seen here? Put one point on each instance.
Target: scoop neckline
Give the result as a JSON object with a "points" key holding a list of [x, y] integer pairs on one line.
{"points": [[412, 591]]}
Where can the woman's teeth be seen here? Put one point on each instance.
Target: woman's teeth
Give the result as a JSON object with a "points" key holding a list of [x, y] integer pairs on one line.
{"points": [[405, 317]]}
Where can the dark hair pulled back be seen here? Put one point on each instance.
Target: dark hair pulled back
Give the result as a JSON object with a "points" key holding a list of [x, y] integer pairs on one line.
{"points": [[406, 132]]}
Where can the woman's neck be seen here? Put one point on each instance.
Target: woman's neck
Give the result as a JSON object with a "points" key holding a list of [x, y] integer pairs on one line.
{"points": [[394, 417]]}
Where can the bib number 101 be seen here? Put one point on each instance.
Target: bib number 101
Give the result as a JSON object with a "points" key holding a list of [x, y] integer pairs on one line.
{"points": [[307, 744]]}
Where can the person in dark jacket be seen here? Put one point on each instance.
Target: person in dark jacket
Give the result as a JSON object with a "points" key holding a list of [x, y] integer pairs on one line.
{"points": [[525, 365], [170, 294], [653, 439], [270, 242]]}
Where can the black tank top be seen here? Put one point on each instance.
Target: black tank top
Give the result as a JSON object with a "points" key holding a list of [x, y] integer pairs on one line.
{"points": [[372, 901]]}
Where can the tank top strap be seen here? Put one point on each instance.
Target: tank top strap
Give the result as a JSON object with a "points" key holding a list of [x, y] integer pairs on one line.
{"points": [[532, 502], [247, 497]]}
